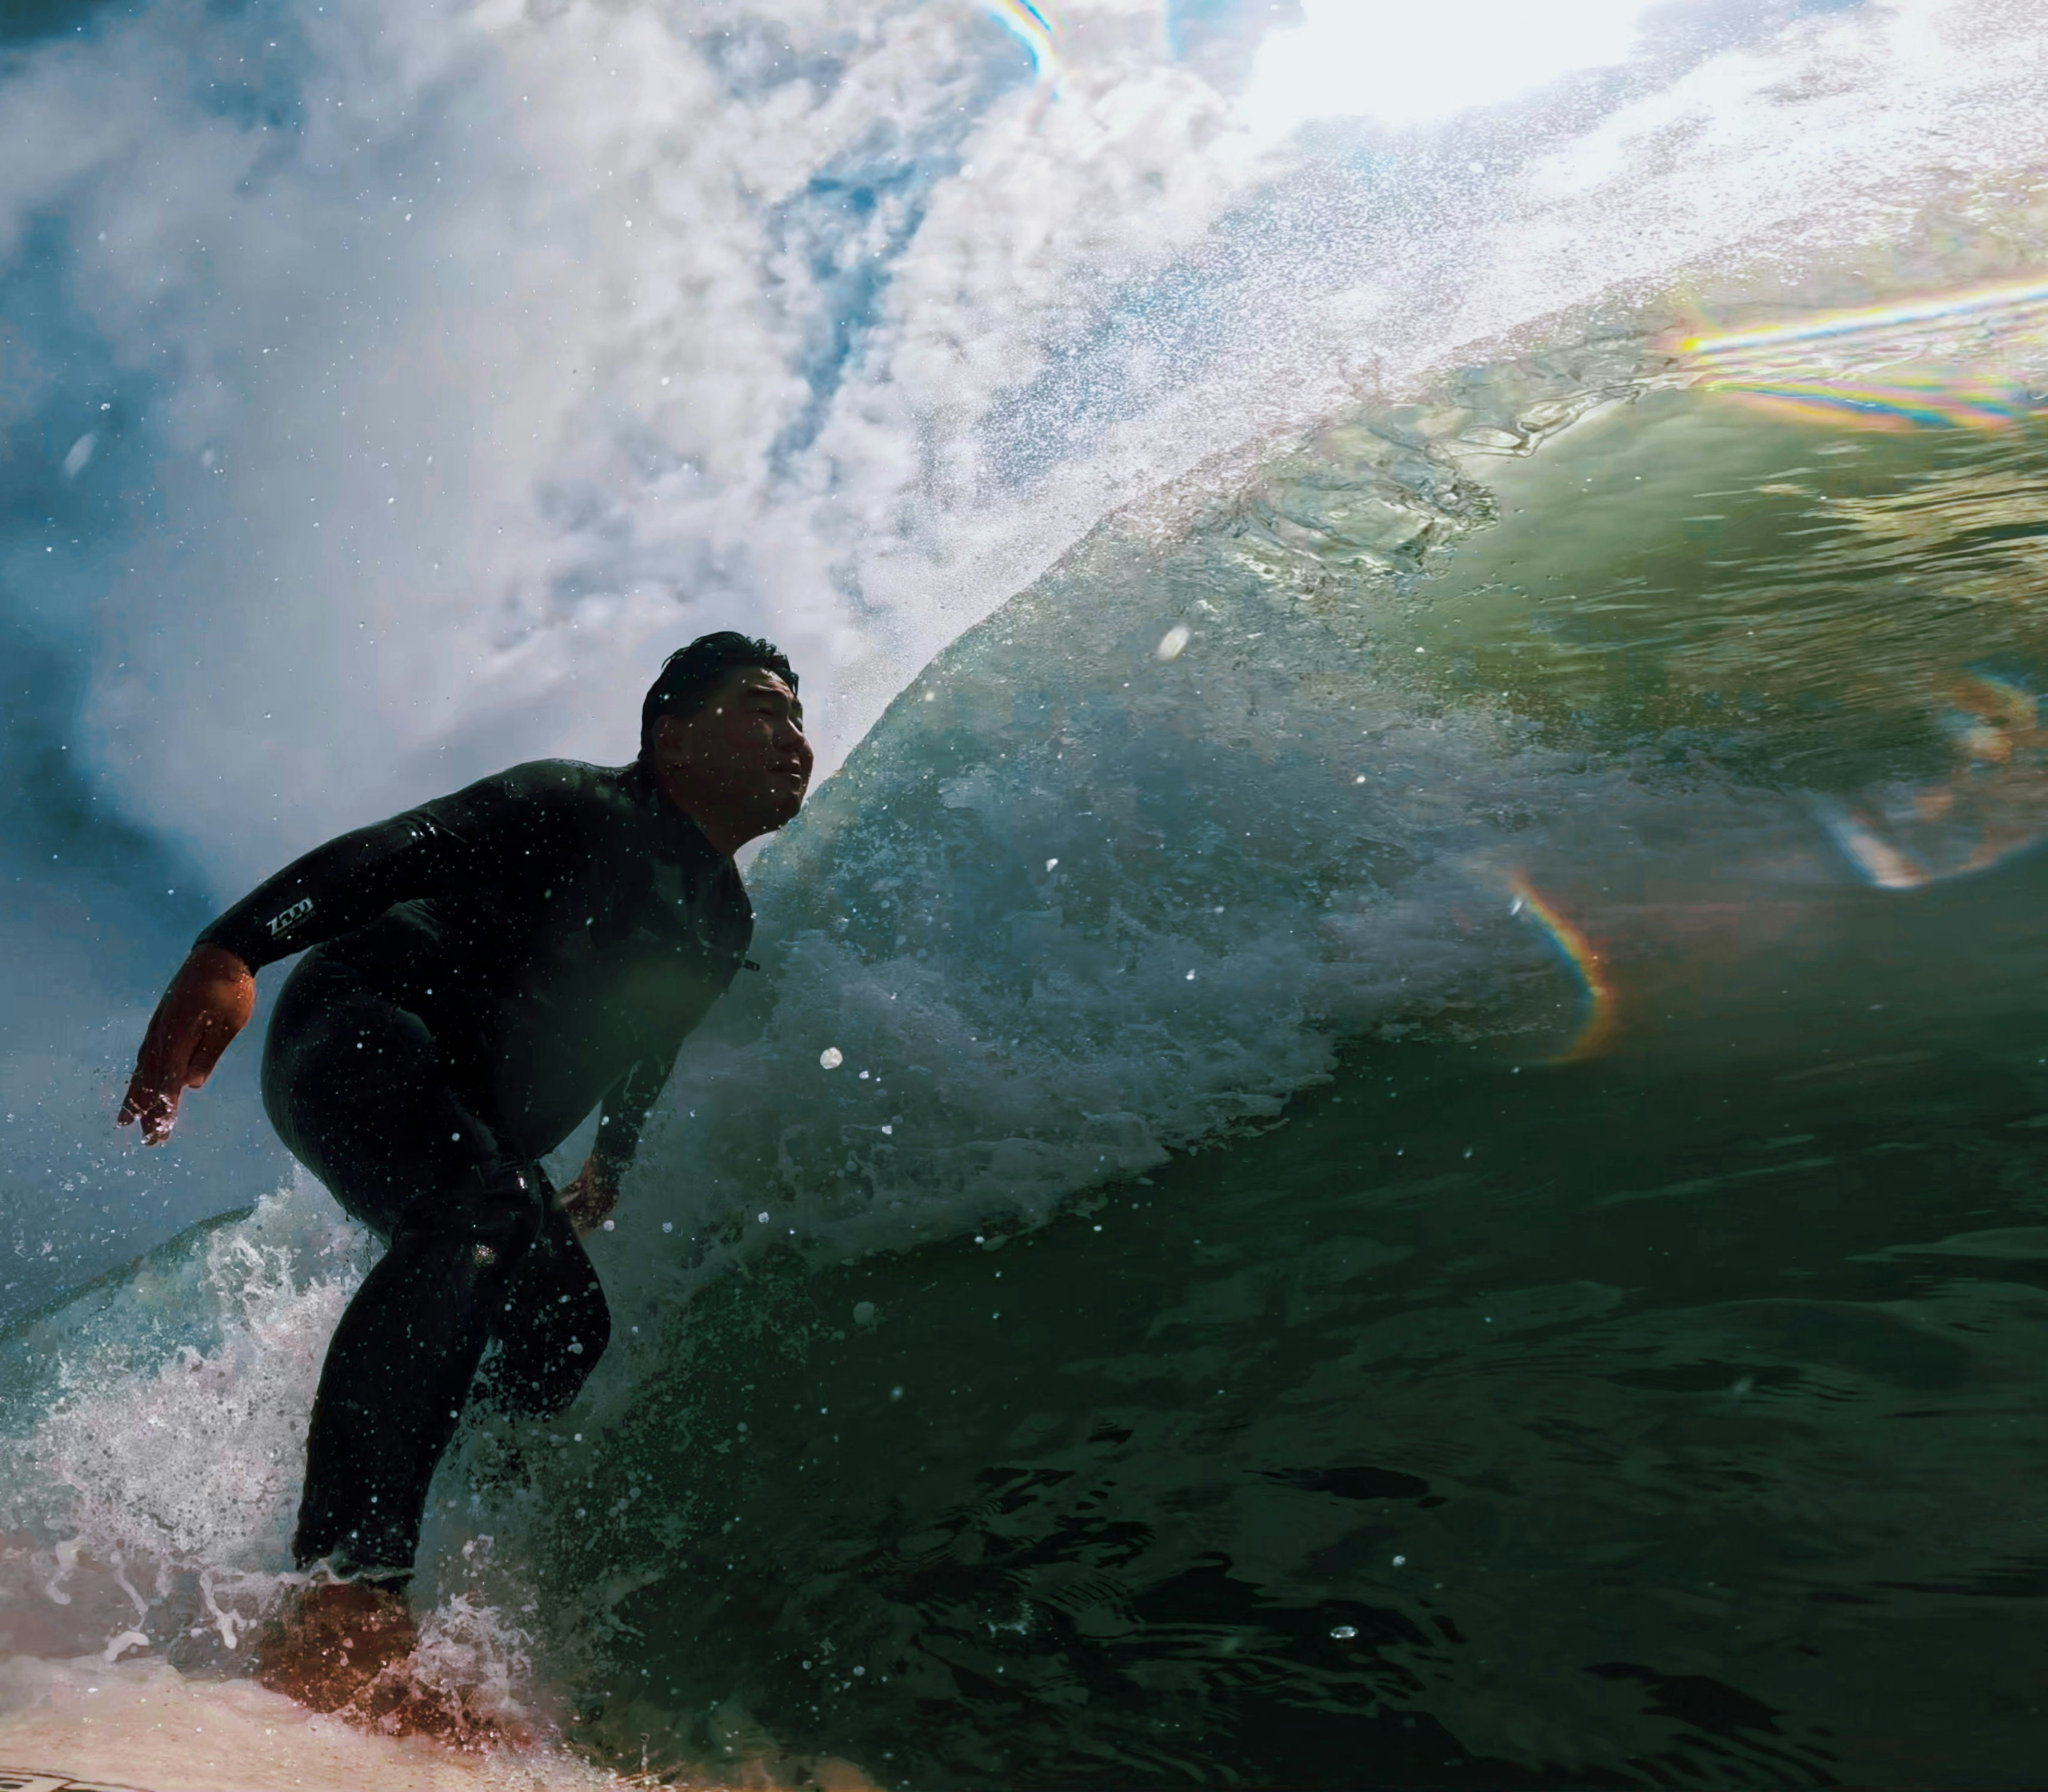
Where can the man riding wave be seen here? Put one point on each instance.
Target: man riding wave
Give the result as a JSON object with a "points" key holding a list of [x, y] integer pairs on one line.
{"points": [[483, 970]]}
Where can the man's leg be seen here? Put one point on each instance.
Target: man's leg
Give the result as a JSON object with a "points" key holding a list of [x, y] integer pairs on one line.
{"points": [[399, 1368], [359, 1089], [551, 1328]]}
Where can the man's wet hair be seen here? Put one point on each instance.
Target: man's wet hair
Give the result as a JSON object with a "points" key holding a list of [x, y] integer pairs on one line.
{"points": [[691, 673]]}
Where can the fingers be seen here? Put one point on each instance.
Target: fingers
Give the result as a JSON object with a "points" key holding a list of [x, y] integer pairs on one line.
{"points": [[588, 1201], [160, 1078], [209, 1001], [157, 1111], [213, 1038]]}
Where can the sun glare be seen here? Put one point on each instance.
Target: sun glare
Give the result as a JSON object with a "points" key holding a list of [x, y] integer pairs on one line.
{"points": [[1403, 64]]}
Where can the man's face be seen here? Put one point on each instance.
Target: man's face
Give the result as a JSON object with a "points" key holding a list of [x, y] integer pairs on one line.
{"points": [[742, 748]]}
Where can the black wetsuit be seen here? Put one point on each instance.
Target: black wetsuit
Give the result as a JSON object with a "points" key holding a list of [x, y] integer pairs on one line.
{"points": [[488, 968]]}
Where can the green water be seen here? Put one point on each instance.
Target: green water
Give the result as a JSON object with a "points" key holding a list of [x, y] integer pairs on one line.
{"points": [[1788, 601], [1699, 1410], [1671, 1417]]}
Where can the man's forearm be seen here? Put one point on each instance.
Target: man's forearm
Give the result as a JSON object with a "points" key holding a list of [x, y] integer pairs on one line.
{"points": [[616, 1147], [623, 1116]]}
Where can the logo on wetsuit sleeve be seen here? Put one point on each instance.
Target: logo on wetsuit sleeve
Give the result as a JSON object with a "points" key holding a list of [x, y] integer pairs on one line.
{"points": [[298, 911]]}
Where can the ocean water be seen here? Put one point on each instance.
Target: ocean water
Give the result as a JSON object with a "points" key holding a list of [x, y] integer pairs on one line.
{"points": [[1389, 1131], [1608, 1373], [1432, 1177]]}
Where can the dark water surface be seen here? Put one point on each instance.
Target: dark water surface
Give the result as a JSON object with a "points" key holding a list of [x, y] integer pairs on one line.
{"points": [[1686, 1431]]}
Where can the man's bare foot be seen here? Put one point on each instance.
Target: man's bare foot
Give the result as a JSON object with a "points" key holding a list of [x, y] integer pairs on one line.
{"points": [[332, 1640]]}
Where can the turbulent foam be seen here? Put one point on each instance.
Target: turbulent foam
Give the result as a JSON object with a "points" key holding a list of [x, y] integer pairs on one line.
{"points": [[154, 1471], [112, 1722], [154, 1475]]}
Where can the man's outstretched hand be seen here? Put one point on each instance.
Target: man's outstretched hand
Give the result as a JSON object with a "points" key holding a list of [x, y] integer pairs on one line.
{"points": [[589, 1201], [210, 1000]]}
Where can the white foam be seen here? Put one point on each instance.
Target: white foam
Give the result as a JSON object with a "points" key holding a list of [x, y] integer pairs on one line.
{"points": [[163, 1476], [192, 1461]]}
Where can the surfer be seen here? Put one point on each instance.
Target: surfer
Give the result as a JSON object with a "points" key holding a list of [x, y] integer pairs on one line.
{"points": [[485, 969]]}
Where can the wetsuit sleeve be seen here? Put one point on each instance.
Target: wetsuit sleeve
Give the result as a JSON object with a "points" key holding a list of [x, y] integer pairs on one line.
{"points": [[494, 830], [626, 1105]]}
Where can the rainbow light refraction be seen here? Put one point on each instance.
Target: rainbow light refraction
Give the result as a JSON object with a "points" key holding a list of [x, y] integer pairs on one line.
{"points": [[1597, 1029], [1988, 811], [1036, 25], [1800, 369], [1930, 399], [2006, 304]]}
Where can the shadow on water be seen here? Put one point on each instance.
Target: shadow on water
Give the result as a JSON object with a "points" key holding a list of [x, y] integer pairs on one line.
{"points": [[1662, 1421]]}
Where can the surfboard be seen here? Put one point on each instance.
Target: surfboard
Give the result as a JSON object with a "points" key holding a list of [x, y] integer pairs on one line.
{"points": [[88, 1726]]}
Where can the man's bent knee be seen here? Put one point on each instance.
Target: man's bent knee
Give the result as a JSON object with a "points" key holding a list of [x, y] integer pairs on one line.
{"points": [[496, 1212]]}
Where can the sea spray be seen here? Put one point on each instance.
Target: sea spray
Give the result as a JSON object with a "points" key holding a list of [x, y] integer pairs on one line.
{"points": [[1075, 904]]}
